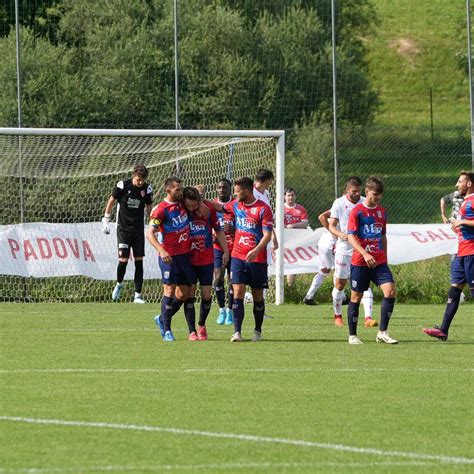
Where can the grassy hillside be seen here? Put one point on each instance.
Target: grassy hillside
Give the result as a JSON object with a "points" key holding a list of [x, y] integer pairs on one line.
{"points": [[416, 47]]}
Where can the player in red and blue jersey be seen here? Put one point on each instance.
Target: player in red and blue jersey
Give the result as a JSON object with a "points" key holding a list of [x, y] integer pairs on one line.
{"points": [[367, 234], [202, 260], [226, 220], [170, 220], [462, 268], [254, 226]]}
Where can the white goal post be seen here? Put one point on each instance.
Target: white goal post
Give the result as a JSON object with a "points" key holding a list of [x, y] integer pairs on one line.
{"points": [[59, 177]]}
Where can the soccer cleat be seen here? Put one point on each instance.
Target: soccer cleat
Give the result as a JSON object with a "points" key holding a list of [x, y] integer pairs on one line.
{"points": [[236, 337], [371, 323], [168, 336], [382, 336], [436, 332], [338, 321], [257, 336], [202, 333], [117, 292], [193, 336], [354, 340], [159, 323], [309, 302], [222, 316], [138, 299], [229, 319]]}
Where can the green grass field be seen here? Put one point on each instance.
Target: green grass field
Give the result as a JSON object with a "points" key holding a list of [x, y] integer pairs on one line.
{"points": [[92, 388]]}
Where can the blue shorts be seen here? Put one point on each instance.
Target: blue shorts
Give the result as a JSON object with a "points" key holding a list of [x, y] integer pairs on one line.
{"points": [[178, 272], [462, 271], [218, 259], [203, 274], [361, 276], [249, 273]]}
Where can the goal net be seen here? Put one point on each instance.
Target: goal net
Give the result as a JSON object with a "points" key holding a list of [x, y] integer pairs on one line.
{"points": [[56, 184]]}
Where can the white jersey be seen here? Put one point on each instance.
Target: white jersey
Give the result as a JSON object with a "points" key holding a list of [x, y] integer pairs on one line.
{"points": [[340, 210], [265, 196]]}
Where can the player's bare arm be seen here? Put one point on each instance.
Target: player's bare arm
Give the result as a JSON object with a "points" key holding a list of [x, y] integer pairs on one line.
{"points": [[462, 222], [442, 206], [150, 236], [334, 230], [220, 236], [324, 218], [252, 255], [369, 259]]}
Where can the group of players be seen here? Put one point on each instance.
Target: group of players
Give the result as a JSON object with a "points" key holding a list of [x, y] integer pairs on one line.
{"points": [[199, 240]]}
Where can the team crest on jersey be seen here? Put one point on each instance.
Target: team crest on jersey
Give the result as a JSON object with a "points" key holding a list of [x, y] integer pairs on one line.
{"points": [[379, 214], [142, 193], [253, 210]]}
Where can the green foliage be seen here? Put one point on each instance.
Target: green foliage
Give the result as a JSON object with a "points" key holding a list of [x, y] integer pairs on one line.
{"points": [[242, 65]]}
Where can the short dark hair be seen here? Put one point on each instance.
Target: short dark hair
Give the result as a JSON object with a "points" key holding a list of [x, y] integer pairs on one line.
{"points": [[140, 170], [245, 183], [191, 193], [264, 175], [353, 181], [225, 180], [469, 174], [169, 181], [290, 190], [374, 184]]}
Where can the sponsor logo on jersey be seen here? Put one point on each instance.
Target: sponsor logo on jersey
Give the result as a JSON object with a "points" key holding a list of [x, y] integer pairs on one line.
{"points": [[133, 203], [197, 227], [247, 240], [243, 222], [183, 238], [181, 219]]}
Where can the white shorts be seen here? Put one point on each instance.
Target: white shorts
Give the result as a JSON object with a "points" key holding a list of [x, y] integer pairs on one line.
{"points": [[342, 266], [326, 257]]}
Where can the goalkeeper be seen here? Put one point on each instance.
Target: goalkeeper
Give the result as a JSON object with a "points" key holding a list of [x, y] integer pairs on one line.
{"points": [[133, 196]]}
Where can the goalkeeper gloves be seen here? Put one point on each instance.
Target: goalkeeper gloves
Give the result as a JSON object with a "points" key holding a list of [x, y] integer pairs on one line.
{"points": [[105, 224]]}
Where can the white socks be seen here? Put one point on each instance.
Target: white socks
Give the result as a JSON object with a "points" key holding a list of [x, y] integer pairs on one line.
{"points": [[337, 299], [316, 284], [368, 302]]}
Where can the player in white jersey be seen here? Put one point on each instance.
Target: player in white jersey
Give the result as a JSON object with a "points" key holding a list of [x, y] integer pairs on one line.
{"points": [[326, 259], [338, 220], [263, 180]]}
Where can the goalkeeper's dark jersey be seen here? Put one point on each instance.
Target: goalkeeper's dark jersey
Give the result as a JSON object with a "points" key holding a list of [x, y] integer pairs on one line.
{"points": [[131, 205]]}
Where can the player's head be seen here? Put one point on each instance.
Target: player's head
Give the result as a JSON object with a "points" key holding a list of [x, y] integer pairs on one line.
{"points": [[290, 196], [374, 189], [353, 188], [465, 184], [264, 178], [174, 189], [191, 198], [224, 189], [139, 175], [243, 189]]}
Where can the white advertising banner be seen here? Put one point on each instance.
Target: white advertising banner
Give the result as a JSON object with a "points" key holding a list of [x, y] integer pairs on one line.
{"points": [[48, 250]]}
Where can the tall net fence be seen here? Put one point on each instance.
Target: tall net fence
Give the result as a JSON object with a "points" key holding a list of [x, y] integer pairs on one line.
{"points": [[58, 187], [402, 85]]}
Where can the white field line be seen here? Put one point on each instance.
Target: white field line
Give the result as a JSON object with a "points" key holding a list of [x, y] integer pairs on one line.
{"points": [[244, 437], [72, 370], [223, 466]]}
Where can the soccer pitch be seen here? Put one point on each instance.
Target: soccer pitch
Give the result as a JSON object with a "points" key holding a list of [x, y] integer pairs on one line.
{"points": [[92, 388]]}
